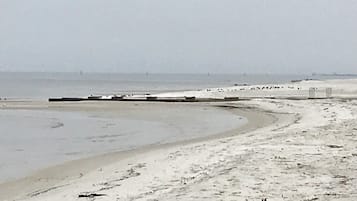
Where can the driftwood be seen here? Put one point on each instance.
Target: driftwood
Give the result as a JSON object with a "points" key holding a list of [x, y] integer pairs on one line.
{"points": [[90, 195], [334, 146]]}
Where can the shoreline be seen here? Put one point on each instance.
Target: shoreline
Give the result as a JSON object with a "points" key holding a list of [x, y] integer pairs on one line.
{"points": [[50, 134], [77, 168]]}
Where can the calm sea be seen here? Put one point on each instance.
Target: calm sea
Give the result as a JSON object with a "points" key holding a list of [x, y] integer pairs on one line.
{"points": [[45, 85]]}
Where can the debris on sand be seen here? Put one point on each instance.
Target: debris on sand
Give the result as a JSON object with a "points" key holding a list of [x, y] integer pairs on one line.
{"points": [[90, 195]]}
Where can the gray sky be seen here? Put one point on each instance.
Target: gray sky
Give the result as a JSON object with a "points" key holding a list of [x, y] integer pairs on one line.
{"points": [[185, 36]]}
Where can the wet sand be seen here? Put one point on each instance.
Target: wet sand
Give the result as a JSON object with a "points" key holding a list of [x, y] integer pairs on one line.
{"points": [[40, 134], [194, 120]]}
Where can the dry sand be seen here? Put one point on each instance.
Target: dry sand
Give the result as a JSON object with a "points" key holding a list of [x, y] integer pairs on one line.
{"points": [[308, 154], [340, 88]]}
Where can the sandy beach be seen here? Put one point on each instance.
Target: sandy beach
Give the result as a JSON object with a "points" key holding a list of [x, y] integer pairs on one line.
{"points": [[178, 100], [289, 150]]}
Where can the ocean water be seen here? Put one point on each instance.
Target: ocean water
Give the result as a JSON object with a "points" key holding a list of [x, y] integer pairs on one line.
{"points": [[45, 85]]}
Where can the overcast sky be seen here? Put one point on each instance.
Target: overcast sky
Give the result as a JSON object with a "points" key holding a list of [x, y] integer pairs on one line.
{"points": [[179, 36]]}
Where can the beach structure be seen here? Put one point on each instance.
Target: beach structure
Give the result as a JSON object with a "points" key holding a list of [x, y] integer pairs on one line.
{"points": [[328, 92], [320, 93], [312, 92]]}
